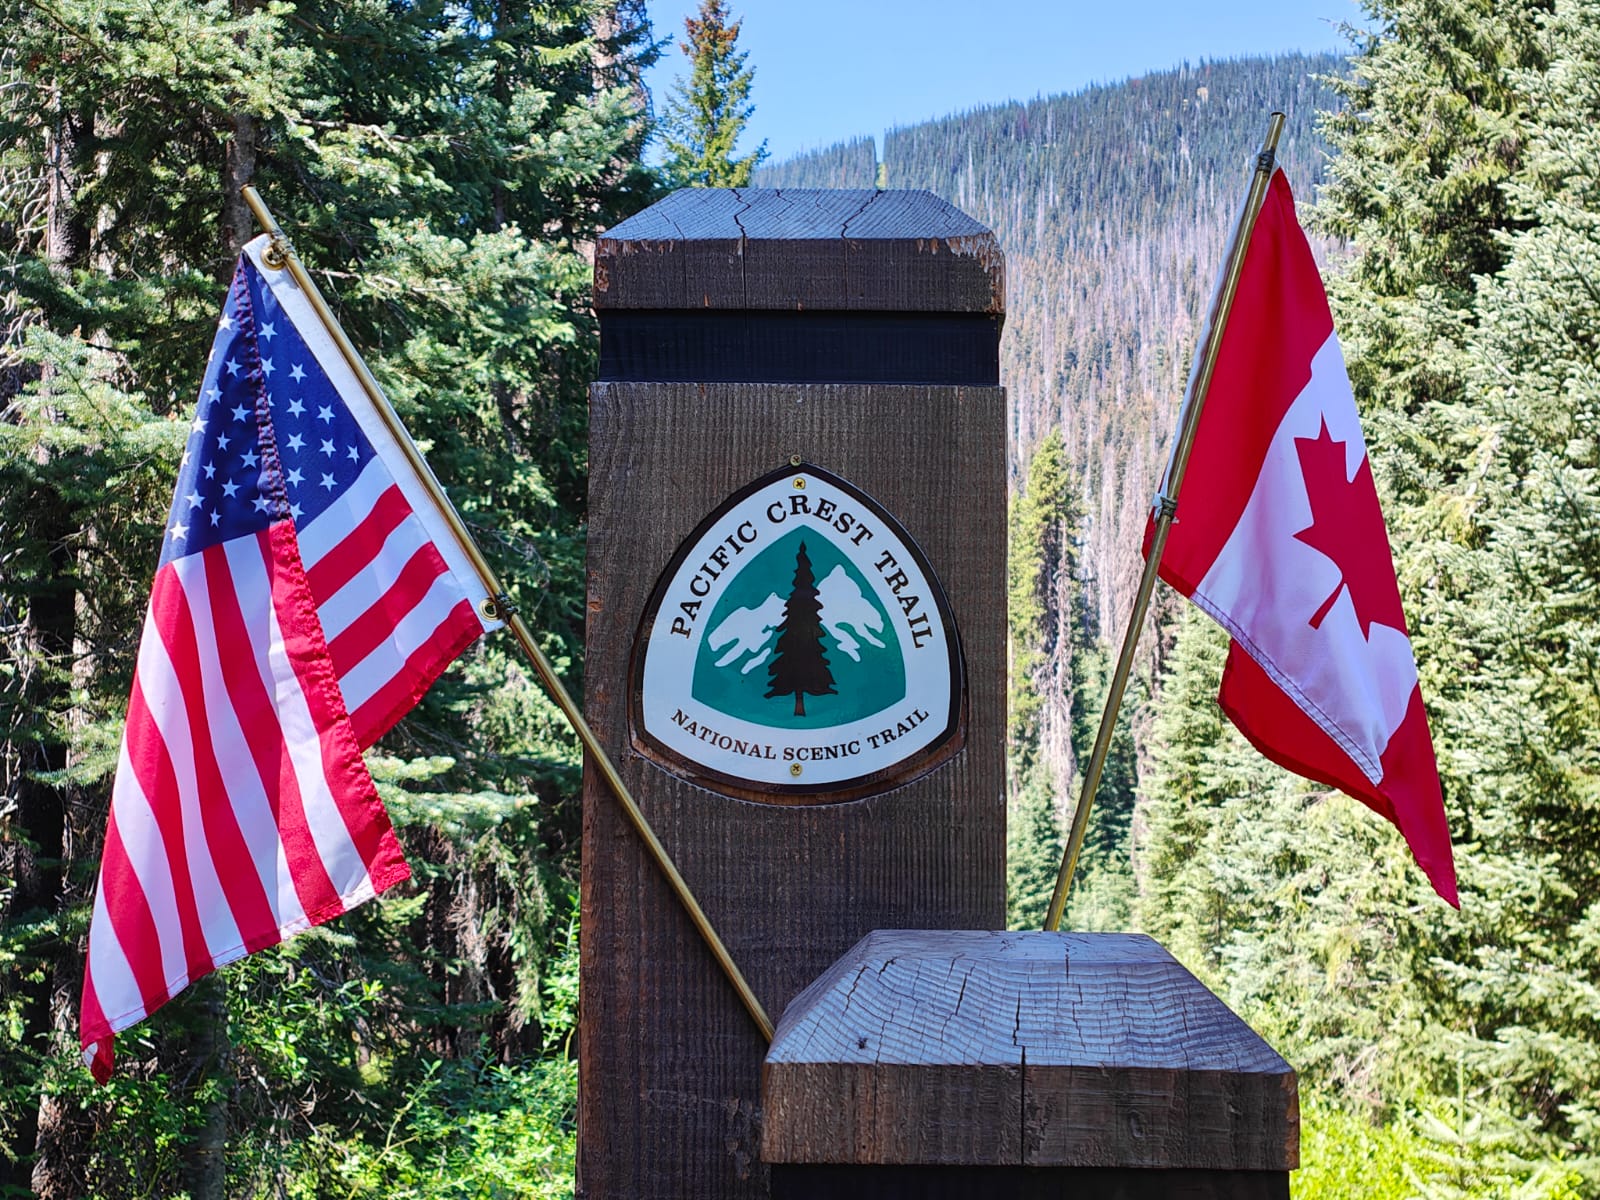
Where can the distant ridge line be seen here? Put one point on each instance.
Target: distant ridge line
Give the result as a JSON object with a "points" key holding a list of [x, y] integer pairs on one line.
{"points": [[854, 161]]}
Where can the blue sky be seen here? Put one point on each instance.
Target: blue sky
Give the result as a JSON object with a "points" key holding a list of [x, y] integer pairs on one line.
{"points": [[830, 69]]}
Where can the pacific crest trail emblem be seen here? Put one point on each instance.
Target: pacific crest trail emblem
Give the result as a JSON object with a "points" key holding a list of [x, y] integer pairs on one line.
{"points": [[798, 649]]}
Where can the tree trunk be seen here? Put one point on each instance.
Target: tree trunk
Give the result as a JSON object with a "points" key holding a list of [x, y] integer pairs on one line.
{"points": [[238, 223], [204, 1159], [36, 745], [35, 858], [61, 1144]]}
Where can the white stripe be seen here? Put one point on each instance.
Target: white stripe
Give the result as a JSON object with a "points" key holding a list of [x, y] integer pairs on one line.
{"points": [[152, 866], [247, 793], [164, 698], [338, 853], [342, 609], [330, 526], [362, 681], [114, 984], [297, 308]]}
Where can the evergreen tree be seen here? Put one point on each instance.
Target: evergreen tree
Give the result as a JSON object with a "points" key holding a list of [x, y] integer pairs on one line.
{"points": [[799, 667], [1033, 850], [1465, 179], [441, 169], [709, 110], [1526, 608]]}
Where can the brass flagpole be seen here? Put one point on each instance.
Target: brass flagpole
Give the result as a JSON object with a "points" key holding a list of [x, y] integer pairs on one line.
{"points": [[498, 605], [1166, 505]]}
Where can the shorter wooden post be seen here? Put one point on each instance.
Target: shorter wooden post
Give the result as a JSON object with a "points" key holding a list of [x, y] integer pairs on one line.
{"points": [[941, 1064]]}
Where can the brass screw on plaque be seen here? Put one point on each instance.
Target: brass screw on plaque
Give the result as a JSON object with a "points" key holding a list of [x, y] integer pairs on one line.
{"points": [[794, 769], [800, 482], [794, 460]]}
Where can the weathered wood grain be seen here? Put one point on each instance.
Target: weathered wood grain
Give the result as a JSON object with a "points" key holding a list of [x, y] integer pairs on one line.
{"points": [[670, 1062], [1023, 1049], [753, 248]]}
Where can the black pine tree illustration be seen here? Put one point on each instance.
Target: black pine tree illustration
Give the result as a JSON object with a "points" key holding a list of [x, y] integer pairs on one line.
{"points": [[799, 666]]}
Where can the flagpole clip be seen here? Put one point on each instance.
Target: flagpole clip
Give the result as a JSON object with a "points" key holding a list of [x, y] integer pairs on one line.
{"points": [[276, 256], [1166, 507], [500, 607], [1266, 160]]}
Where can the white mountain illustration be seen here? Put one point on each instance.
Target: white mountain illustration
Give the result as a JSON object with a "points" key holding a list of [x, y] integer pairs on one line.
{"points": [[846, 616]]}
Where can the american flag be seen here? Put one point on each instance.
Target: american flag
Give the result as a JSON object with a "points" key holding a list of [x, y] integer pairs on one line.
{"points": [[308, 593]]}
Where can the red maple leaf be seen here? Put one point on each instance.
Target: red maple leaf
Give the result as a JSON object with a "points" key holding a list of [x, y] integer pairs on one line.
{"points": [[1347, 526]]}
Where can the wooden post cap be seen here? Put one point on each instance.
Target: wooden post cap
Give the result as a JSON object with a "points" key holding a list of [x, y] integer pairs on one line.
{"points": [[800, 250], [1022, 1049]]}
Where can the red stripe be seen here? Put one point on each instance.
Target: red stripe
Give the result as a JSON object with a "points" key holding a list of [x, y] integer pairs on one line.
{"points": [[262, 727], [348, 779], [359, 547], [369, 631], [132, 923], [394, 699], [1280, 319], [94, 1029], [103, 1062], [158, 780], [1408, 795], [241, 884]]}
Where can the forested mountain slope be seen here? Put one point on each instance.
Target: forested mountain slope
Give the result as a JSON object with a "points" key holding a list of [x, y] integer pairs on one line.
{"points": [[1113, 205]]}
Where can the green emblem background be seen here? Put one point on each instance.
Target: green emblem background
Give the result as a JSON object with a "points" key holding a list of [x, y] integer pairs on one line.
{"points": [[861, 688]]}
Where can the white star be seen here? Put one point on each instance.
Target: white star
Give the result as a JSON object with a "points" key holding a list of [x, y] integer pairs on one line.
{"points": [[179, 531], [233, 367], [240, 412], [324, 414], [351, 453], [267, 368], [222, 441], [216, 518], [295, 407], [251, 458], [294, 476], [295, 510], [229, 488], [226, 322], [296, 441], [184, 461], [211, 471], [327, 482], [198, 425], [261, 504], [212, 394], [194, 500], [297, 373], [268, 332], [327, 446]]}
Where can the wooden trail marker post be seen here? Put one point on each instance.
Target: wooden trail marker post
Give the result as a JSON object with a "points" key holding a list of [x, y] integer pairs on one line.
{"points": [[796, 657], [798, 418]]}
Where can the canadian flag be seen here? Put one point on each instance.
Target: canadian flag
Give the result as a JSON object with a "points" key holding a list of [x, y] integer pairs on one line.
{"points": [[1279, 537]]}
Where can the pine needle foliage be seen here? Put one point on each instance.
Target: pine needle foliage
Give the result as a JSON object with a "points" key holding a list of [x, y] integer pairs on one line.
{"points": [[710, 107]]}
